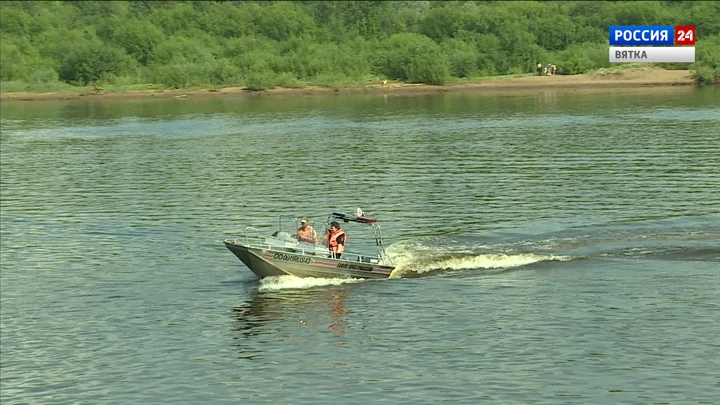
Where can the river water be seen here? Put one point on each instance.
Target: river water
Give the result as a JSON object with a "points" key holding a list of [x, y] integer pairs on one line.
{"points": [[551, 247]]}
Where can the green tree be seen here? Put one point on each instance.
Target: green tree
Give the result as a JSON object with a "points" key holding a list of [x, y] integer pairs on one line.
{"points": [[172, 19], [633, 13], [285, 20], [227, 20], [521, 52], [704, 15], [264, 44], [442, 22], [14, 21], [139, 38], [92, 11], [490, 52]]}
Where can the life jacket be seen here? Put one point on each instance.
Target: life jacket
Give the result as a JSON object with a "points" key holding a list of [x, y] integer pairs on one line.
{"points": [[333, 244], [307, 235]]}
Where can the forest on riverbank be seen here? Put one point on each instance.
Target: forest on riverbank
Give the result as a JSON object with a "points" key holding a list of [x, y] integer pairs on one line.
{"points": [[56, 45]]}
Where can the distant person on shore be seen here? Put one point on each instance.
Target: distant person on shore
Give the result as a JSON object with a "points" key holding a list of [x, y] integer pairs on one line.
{"points": [[306, 233], [548, 69], [554, 70], [335, 240], [539, 68]]}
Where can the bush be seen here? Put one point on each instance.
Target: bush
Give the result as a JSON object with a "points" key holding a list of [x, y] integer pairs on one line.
{"points": [[354, 58], [706, 70], [463, 57], [175, 76], [14, 66], [705, 75], [581, 58], [43, 74], [262, 80], [223, 72], [180, 50], [12, 86], [288, 80], [516, 70], [90, 63], [332, 80], [50, 87], [575, 64], [414, 58], [255, 61]]}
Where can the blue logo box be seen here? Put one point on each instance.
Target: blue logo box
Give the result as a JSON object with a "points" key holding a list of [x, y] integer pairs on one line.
{"points": [[633, 35]]}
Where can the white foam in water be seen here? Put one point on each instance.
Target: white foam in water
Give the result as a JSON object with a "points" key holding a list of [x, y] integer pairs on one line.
{"points": [[484, 261], [487, 261], [292, 282], [405, 253]]}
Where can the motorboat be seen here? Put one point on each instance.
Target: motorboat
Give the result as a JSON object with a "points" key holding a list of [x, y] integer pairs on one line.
{"points": [[282, 254]]}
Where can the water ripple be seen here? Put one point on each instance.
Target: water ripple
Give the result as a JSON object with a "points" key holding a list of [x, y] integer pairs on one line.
{"points": [[556, 248]]}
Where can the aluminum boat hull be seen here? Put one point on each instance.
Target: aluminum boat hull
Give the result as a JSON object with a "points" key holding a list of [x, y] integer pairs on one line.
{"points": [[267, 262]]}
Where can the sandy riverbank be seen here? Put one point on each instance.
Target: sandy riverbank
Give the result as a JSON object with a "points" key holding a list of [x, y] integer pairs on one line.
{"points": [[646, 77]]}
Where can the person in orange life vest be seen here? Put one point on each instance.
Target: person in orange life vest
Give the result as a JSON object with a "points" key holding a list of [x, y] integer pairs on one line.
{"points": [[335, 240], [306, 233]]}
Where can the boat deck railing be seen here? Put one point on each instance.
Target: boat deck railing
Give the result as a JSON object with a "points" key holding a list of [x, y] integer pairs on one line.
{"points": [[247, 233]]}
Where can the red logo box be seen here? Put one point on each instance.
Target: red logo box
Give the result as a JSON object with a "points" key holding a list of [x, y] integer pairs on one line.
{"points": [[684, 35]]}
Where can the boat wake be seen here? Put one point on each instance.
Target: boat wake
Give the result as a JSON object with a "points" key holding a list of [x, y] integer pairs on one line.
{"points": [[414, 262], [275, 283], [677, 239]]}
